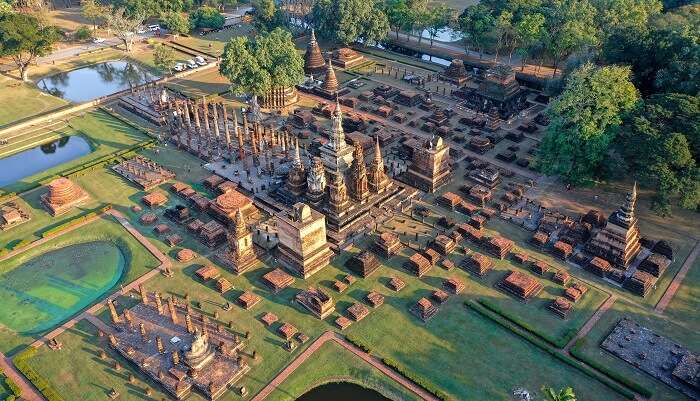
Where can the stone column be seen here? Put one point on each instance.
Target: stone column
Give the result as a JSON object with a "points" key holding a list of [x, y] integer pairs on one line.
{"points": [[113, 312], [144, 294], [227, 133]]}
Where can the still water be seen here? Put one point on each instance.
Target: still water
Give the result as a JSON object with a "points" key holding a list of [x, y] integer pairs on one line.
{"points": [[31, 161], [342, 392], [93, 81]]}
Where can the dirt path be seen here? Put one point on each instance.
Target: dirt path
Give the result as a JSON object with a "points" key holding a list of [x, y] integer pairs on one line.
{"points": [[592, 321], [29, 392], [333, 336], [678, 279]]}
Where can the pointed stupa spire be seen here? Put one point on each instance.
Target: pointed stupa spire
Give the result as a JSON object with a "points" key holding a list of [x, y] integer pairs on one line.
{"points": [[296, 163], [378, 151], [337, 136], [330, 83], [313, 59], [240, 222], [625, 213], [378, 180]]}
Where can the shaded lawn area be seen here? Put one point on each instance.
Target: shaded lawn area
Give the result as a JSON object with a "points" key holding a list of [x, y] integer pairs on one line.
{"points": [[685, 304], [213, 43], [136, 258], [332, 362], [21, 100], [200, 84], [589, 349]]}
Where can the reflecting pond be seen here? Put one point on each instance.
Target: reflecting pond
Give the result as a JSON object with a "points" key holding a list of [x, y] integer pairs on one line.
{"points": [[343, 391], [42, 157], [97, 80], [43, 291]]}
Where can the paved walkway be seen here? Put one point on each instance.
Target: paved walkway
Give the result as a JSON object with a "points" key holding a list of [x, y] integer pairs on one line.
{"points": [[333, 336], [29, 392], [678, 279], [592, 321], [164, 261]]}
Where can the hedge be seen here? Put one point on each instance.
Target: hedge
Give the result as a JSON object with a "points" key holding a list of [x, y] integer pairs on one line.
{"points": [[429, 387], [536, 341], [20, 361], [14, 388], [576, 352], [559, 342]]}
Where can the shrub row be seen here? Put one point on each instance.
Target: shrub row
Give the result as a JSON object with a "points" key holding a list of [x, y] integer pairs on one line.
{"points": [[10, 384], [70, 223], [429, 387], [577, 353], [21, 362], [558, 342], [536, 341]]}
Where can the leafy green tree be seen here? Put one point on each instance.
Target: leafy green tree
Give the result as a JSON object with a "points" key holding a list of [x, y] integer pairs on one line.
{"points": [[565, 394], [259, 65], [207, 17], [660, 143], [505, 32], [177, 23], [83, 33], [570, 27], [265, 14], [440, 17], [629, 15], [529, 31], [23, 39], [475, 24], [585, 120], [93, 11], [346, 21], [399, 16], [5, 8], [164, 57]]}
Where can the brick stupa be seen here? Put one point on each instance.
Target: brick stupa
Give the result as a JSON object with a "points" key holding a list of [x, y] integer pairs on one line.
{"points": [[313, 59], [63, 195]]}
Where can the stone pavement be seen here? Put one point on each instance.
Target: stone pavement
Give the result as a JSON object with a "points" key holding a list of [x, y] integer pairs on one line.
{"points": [[333, 336]]}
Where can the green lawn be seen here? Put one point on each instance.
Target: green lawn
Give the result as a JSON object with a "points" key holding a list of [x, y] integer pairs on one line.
{"points": [[22, 100], [86, 267], [333, 363]]}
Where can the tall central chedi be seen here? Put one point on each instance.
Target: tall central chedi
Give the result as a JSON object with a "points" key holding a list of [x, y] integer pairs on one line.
{"points": [[336, 154], [240, 255], [358, 176], [618, 242]]}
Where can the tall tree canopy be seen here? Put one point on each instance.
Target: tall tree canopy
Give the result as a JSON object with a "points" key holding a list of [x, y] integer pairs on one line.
{"points": [[257, 66], [347, 21], [207, 17], [660, 142], [475, 23], [23, 38], [585, 120]]}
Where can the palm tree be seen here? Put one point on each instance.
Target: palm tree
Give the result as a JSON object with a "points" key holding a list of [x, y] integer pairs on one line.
{"points": [[565, 394]]}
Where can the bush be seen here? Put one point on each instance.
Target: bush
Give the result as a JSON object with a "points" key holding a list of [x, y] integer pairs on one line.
{"points": [[358, 343], [416, 379], [207, 17], [83, 33]]}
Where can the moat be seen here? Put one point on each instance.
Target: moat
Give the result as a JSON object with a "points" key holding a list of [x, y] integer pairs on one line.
{"points": [[343, 391], [94, 81], [41, 158]]}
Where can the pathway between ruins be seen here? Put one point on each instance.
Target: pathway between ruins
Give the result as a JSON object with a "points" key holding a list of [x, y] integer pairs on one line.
{"points": [[678, 279], [29, 393], [333, 336], [592, 321]]}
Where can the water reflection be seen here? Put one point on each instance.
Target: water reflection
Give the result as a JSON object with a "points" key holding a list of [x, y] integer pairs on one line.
{"points": [[93, 81], [42, 157], [342, 392]]}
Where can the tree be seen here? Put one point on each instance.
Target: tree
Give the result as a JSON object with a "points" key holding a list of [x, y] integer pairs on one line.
{"points": [[164, 57], [265, 14], [475, 23], [124, 25], [529, 31], [5, 8], [207, 17], [660, 143], [505, 33], [93, 11], [83, 33], [570, 27], [439, 18], [398, 15], [259, 65], [346, 21], [585, 120], [177, 23], [565, 394], [628, 15], [23, 39]]}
